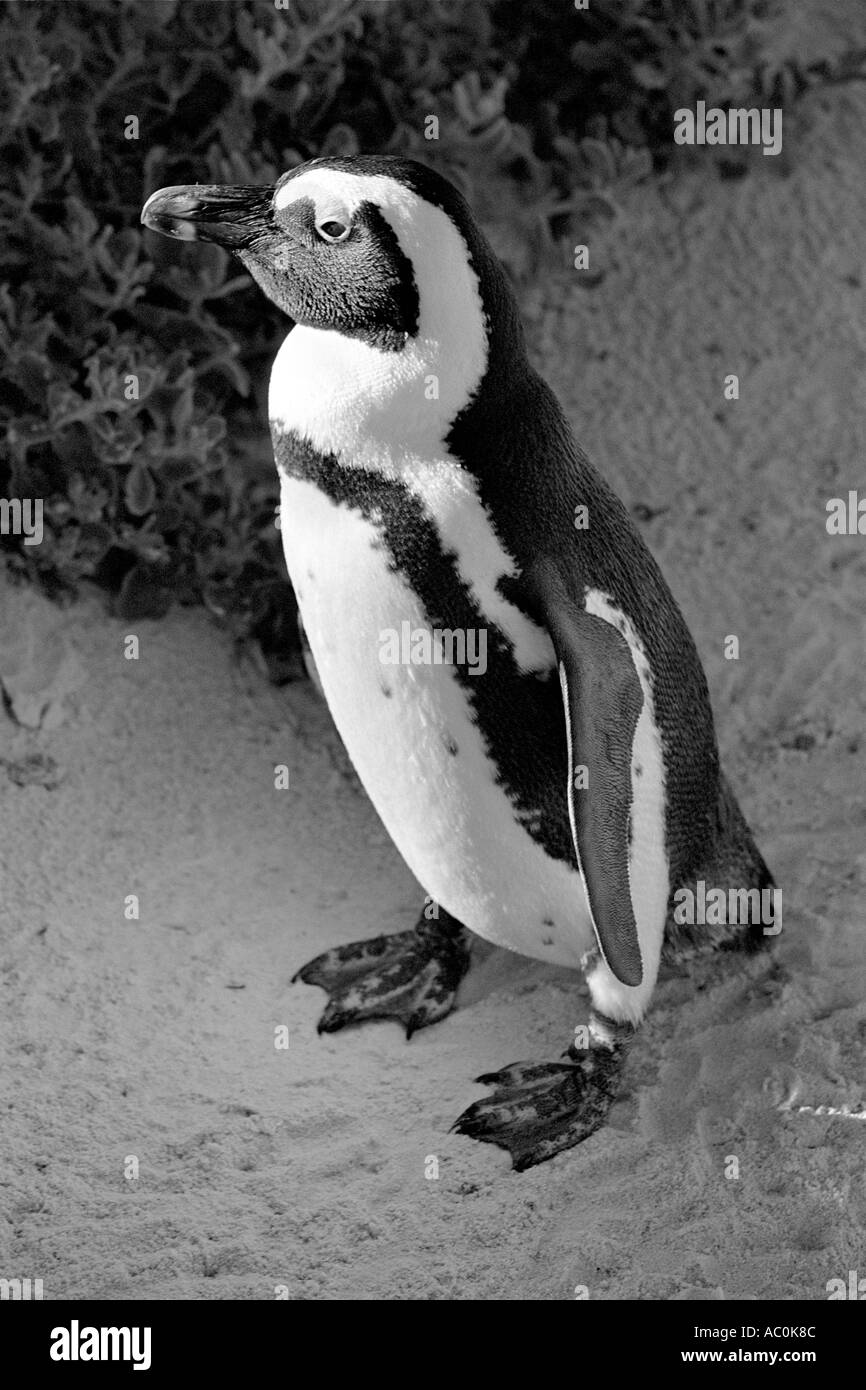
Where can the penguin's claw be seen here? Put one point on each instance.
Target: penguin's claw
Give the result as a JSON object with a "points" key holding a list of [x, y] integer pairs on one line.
{"points": [[540, 1108], [411, 976]]}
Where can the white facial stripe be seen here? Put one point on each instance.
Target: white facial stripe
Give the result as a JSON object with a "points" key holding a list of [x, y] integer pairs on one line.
{"points": [[648, 869], [349, 189], [329, 201], [389, 412]]}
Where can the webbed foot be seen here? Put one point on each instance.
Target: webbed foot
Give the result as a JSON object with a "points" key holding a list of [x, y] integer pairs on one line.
{"points": [[540, 1108], [411, 976]]}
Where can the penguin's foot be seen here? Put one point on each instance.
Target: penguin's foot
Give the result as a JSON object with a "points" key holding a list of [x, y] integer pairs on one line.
{"points": [[411, 976], [540, 1108]]}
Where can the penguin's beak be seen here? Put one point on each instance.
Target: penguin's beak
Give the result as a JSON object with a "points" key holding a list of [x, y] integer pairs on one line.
{"points": [[232, 217]]}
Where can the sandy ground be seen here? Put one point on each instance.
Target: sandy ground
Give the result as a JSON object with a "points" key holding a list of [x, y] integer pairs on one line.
{"points": [[305, 1167]]}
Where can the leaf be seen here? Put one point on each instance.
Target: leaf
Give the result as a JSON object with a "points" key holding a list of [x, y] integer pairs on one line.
{"points": [[139, 491], [145, 592], [600, 161], [651, 76], [94, 540], [182, 411], [214, 430]]}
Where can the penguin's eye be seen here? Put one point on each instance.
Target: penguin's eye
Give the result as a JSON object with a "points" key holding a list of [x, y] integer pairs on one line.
{"points": [[333, 230]]}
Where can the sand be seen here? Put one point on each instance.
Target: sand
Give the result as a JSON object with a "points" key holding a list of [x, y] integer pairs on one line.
{"points": [[304, 1167]]}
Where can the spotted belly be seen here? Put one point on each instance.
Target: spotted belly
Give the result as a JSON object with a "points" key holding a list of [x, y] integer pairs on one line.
{"points": [[409, 731]]}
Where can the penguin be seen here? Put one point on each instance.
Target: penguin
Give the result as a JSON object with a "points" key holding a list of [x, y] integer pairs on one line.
{"points": [[511, 676]]}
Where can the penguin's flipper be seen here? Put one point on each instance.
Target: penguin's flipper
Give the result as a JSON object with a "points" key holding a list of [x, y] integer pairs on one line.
{"points": [[411, 976], [603, 700], [540, 1108]]}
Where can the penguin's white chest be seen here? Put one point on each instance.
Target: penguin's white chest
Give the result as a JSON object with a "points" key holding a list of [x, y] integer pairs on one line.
{"points": [[408, 728]]}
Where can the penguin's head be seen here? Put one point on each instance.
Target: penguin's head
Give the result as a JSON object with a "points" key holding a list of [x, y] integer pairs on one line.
{"points": [[372, 247]]}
